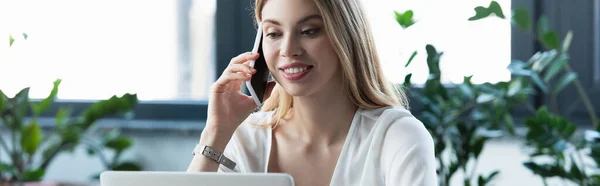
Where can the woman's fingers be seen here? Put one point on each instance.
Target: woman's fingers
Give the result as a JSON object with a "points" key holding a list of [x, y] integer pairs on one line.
{"points": [[240, 68], [243, 58]]}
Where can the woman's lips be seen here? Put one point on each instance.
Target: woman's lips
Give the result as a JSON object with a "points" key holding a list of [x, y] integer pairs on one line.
{"points": [[295, 75]]}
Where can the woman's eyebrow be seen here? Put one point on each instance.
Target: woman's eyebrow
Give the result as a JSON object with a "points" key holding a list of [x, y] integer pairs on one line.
{"points": [[305, 19]]}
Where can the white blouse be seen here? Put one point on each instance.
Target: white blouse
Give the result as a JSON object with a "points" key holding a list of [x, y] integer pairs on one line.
{"points": [[385, 146]]}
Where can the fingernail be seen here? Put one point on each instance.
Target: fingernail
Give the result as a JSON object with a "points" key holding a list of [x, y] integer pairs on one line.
{"points": [[248, 75]]}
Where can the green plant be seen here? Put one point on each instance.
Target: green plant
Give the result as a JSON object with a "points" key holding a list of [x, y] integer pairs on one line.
{"points": [[462, 118], [117, 143], [29, 148], [550, 135]]}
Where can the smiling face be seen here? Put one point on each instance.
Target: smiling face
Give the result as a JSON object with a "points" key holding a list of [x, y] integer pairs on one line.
{"points": [[297, 49]]}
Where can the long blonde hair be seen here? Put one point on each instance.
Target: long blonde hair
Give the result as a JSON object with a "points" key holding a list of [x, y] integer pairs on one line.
{"points": [[348, 31]]}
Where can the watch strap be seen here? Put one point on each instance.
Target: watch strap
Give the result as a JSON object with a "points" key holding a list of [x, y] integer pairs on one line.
{"points": [[213, 154]]}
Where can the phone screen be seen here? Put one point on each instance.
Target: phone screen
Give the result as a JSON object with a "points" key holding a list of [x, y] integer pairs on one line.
{"points": [[261, 77]]}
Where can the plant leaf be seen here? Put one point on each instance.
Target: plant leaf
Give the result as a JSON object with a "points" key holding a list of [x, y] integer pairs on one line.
{"points": [[564, 81], [483, 12], [3, 102], [11, 40], [496, 9], [20, 107], [480, 181], [407, 80], [118, 144], [478, 146], [33, 175], [492, 176], [411, 58], [405, 19], [545, 170], [567, 41], [25, 35], [514, 87], [466, 91], [45, 104], [541, 59], [556, 66], [510, 123], [485, 98], [517, 67], [62, 118], [540, 84], [480, 13], [7, 168], [543, 26], [576, 172], [521, 18], [550, 40], [31, 137], [109, 107]]}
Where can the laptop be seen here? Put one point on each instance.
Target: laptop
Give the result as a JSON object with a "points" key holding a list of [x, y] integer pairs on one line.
{"points": [[158, 178]]}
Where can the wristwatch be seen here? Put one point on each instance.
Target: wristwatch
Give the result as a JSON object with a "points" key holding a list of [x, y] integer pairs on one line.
{"points": [[214, 155]]}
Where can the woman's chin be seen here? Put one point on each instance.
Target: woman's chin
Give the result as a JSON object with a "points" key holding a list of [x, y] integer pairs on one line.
{"points": [[296, 91]]}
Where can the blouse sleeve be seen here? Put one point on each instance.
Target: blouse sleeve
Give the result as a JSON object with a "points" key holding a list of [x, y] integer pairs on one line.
{"points": [[413, 161]]}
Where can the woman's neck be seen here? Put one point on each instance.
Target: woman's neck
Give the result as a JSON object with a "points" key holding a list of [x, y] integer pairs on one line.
{"points": [[323, 118]]}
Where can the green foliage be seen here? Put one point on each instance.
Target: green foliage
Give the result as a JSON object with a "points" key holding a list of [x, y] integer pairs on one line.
{"points": [[549, 134], [11, 40], [45, 104], [412, 56], [461, 118], [521, 18], [32, 175], [483, 12], [20, 116], [118, 144], [31, 137], [405, 19]]}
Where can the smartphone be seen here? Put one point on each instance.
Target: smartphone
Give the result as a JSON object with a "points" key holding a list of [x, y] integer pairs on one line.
{"points": [[258, 83]]}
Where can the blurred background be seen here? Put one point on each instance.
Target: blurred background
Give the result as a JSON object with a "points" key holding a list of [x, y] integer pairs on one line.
{"points": [[509, 86]]}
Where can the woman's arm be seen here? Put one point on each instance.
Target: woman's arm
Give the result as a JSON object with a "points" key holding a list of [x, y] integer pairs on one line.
{"points": [[417, 167], [227, 108], [412, 160]]}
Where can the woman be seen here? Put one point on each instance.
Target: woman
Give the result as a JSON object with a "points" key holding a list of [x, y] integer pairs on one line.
{"points": [[331, 119]]}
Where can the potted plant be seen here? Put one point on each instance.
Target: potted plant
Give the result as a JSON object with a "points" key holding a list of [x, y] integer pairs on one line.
{"points": [[460, 117], [27, 141], [30, 150]]}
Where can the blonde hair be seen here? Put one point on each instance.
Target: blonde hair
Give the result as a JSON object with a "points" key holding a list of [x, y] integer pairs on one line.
{"points": [[349, 33]]}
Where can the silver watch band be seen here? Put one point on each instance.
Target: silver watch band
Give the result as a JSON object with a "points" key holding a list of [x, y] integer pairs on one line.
{"points": [[214, 155]]}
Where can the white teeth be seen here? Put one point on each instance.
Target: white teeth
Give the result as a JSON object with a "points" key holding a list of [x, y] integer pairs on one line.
{"points": [[295, 70]]}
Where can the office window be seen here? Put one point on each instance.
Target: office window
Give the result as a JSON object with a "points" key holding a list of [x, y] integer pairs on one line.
{"points": [[159, 49], [480, 48]]}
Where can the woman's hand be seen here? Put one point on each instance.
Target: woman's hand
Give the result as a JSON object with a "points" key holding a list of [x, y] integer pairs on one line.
{"points": [[227, 106]]}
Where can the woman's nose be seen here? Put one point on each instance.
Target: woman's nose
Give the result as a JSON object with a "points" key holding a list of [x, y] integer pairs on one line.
{"points": [[290, 47]]}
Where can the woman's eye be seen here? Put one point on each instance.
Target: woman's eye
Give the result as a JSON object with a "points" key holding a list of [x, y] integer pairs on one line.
{"points": [[310, 32], [272, 35]]}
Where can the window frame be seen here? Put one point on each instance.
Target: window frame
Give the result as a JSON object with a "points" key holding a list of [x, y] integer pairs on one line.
{"points": [[234, 34]]}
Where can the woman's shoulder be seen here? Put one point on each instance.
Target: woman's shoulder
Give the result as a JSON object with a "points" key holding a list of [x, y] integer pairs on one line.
{"points": [[399, 128], [396, 118]]}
